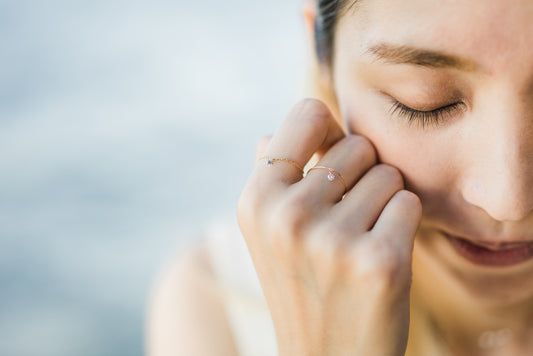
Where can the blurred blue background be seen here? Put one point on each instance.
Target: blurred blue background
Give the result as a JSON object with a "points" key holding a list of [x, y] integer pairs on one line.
{"points": [[126, 129]]}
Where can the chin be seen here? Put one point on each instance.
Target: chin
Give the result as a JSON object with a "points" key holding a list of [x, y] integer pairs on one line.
{"points": [[498, 291]]}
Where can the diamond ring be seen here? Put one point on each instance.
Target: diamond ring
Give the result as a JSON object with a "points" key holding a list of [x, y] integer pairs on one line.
{"points": [[332, 175]]}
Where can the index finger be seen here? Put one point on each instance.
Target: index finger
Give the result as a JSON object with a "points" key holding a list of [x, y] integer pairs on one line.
{"points": [[310, 127]]}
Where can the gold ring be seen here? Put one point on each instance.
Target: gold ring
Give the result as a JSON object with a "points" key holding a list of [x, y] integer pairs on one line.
{"points": [[331, 175], [270, 161]]}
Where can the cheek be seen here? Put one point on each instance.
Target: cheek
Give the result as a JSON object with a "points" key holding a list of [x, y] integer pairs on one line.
{"points": [[425, 161]]}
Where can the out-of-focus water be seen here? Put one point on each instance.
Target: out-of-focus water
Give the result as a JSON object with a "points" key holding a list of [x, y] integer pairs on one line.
{"points": [[126, 127]]}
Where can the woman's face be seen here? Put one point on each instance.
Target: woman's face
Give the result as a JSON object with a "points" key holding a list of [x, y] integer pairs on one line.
{"points": [[469, 157]]}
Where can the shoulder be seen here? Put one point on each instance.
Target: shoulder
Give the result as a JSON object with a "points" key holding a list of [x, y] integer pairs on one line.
{"points": [[186, 313]]}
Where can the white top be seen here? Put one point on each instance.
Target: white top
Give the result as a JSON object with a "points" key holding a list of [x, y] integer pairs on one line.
{"points": [[246, 307]]}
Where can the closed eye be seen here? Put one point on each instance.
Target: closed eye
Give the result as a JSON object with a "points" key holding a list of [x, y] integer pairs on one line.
{"points": [[434, 117]]}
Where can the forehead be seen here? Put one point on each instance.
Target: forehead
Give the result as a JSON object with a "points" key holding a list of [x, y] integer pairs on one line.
{"points": [[493, 33]]}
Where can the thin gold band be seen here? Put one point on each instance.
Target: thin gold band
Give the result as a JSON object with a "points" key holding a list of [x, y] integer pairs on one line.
{"points": [[270, 161], [331, 175]]}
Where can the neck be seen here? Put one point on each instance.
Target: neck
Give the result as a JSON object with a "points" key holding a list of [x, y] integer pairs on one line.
{"points": [[446, 316]]}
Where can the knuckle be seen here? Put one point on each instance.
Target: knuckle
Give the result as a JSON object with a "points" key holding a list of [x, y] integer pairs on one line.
{"points": [[318, 113], [410, 199], [331, 235], [381, 266], [338, 231], [363, 146], [289, 219], [258, 186], [316, 105], [299, 201], [326, 247], [389, 173]]}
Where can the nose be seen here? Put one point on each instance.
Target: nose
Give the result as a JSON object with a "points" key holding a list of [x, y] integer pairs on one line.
{"points": [[498, 175]]}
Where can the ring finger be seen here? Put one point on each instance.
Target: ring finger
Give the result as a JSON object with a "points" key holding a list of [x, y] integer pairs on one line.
{"points": [[339, 169]]}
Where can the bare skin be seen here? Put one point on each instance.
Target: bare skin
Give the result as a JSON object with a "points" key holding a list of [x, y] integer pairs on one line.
{"points": [[471, 171], [187, 308], [337, 272], [314, 249]]}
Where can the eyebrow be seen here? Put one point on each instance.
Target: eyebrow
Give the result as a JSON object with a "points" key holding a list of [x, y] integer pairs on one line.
{"points": [[427, 58]]}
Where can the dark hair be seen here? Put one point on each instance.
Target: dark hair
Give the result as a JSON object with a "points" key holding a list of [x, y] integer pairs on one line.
{"points": [[328, 13]]}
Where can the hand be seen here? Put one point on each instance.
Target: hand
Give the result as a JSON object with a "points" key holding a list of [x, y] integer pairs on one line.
{"points": [[335, 270]]}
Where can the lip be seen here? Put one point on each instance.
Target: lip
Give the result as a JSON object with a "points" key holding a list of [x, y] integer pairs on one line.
{"points": [[491, 254]]}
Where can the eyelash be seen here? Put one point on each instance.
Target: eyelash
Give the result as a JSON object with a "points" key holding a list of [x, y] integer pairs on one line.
{"points": [[423, 118]]}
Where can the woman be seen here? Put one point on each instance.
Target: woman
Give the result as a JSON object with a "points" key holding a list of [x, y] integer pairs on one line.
{"points": [[413, 232]]}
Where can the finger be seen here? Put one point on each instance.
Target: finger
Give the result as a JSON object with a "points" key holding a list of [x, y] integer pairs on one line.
{"points": [[350, 158], [400, 219], [261, 146], [309, 127], [363, 204]]}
